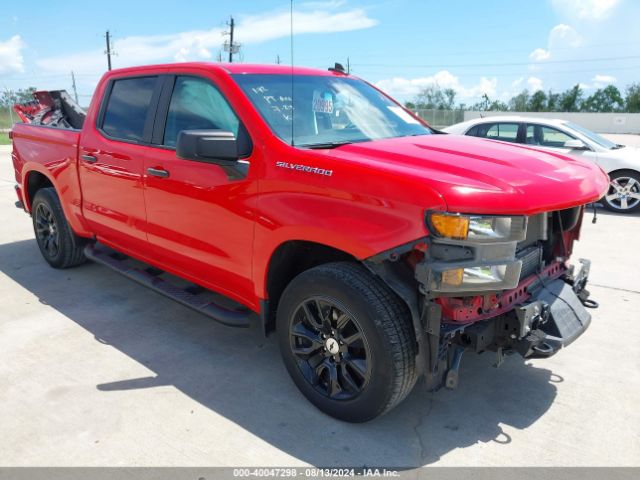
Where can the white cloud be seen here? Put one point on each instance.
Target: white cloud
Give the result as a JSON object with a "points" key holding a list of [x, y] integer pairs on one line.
{"points": [[410, 87], [11, 60], [606, 79], [534, 84], [539, 55], [599, 81], [586, 9], [199, 44], [562, 36]]}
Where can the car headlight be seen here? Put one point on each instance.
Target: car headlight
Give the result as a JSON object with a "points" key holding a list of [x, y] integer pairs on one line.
{"points": [[478, 278], [477, 228]]}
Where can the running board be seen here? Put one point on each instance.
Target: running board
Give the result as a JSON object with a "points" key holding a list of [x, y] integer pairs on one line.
{"points": [[150, 277]]}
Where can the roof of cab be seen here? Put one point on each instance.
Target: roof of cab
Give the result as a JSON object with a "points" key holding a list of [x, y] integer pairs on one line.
{"points": [[232, 68]]}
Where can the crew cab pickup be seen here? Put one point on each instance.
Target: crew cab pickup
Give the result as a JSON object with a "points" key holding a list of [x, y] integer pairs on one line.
{"points": [[309, 203]]}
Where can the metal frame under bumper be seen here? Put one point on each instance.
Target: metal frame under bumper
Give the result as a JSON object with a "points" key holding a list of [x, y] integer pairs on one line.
{"points": [[552, 321]]}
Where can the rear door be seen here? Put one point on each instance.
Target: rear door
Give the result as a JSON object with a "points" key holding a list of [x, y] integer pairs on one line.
{"points": [[503, 131], [112, 157]]}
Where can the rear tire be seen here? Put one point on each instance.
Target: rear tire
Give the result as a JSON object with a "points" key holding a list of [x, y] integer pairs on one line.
{"points": [[347, 341], [59, 246], [623, 195]]}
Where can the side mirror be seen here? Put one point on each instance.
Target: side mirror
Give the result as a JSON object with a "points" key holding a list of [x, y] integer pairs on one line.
{"points": [[213, 146], [575, 145]]}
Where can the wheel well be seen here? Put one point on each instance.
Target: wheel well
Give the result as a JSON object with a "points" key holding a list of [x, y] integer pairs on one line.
{"points": [[624, 170], [36, 181], [291, 259]]}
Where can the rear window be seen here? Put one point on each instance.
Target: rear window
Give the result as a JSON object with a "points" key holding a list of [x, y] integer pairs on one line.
{"points": [[127, 108]]}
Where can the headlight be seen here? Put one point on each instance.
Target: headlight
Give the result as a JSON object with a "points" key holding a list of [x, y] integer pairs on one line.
{"points": [[478, 278], [477, 228]]}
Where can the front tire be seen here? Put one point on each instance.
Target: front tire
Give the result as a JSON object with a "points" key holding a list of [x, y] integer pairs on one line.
{"points": [[59, 246], [347, 341], [623, 195]]}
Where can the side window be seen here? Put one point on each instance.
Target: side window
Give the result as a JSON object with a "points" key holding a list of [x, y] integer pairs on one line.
{"points": [[473, 131], [552, 137], [506, 132], [197, 105], [546, 136], [127, 107]]}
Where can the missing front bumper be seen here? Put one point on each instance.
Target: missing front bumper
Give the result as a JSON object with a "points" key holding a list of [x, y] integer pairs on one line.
{"points": [[552, 318]]}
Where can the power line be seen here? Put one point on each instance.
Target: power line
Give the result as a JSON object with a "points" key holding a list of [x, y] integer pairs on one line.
{"points": [[439, 53], [507, 64], [511, 74]]}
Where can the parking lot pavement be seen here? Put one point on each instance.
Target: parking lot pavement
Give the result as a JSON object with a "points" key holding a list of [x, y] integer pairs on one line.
{"points": [[96, 370]]}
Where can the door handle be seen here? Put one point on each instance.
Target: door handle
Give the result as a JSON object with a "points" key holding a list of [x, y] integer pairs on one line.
{"points": [[89, 158], [158, 172]]}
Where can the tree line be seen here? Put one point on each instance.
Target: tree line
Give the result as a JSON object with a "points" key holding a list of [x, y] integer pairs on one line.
{"points": [[606, 99], [11, 97]]}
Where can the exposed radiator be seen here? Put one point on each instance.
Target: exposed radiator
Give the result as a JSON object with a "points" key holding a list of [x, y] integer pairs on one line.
{"points": [[531, 261]]}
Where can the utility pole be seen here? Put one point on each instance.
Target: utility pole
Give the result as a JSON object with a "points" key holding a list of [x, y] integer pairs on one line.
{"points": [[231, 46], [108, 50], [73, 85], [231, 26]]}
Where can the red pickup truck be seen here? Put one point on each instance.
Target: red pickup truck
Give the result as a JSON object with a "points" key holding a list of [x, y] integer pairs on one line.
{"points": [[310, 203]]}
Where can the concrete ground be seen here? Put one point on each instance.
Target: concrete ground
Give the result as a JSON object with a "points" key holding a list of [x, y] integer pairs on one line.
{"points": [[96, 370]]}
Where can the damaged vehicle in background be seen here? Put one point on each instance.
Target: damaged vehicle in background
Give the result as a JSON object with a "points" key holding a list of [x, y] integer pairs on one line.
{"points": [[311, 204]]}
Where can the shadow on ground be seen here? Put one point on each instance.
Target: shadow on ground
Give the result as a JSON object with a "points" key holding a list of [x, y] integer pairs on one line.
{"points": [[239, 375]]}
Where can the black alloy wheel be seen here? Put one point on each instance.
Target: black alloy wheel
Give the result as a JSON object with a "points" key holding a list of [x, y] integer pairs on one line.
{"points": [[47, 230], [58, 244], [347, 341], [330, 349]]}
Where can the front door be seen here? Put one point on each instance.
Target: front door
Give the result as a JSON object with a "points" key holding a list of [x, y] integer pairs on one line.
{"points": [[200, 215], [553, 139]]}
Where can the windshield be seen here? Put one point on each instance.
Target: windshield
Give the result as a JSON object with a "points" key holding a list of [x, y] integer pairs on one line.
{"points": [[594, 137], [326, 111]]}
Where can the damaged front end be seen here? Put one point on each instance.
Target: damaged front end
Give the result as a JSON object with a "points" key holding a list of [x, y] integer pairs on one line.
{"points": [[490, 283]]}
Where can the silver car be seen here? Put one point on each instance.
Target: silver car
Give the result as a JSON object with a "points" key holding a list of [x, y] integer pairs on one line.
{"points": [[622, 163]]}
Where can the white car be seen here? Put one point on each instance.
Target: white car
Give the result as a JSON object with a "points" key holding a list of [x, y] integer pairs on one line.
{"points": [[622, 163]]}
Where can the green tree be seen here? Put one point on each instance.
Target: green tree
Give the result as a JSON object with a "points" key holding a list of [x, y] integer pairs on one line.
{"points": [[520, 102], [606, 99], [435, 98], [11, 97], [537, 102], [571, 100], [553, 101], [632, 100]]}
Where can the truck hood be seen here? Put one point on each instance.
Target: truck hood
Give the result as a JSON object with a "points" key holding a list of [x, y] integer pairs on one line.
{"points": [[483, 176]]}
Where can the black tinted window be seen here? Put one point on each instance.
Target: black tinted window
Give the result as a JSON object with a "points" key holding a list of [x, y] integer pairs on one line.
{"points": [[128, 106], [197, 105]]}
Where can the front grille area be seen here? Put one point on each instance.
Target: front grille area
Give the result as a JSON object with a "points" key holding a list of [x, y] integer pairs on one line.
{"points": [[531, 258]]}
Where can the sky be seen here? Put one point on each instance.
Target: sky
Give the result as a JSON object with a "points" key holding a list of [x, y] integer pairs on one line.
{"points": [[493, 47]]}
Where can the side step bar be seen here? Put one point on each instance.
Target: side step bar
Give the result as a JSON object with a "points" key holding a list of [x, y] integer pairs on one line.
{"points": [[187, 297]]}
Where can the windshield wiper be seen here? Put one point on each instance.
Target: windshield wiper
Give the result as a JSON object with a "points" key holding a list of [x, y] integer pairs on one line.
{"points": [[617, 147], [326, 145]]}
